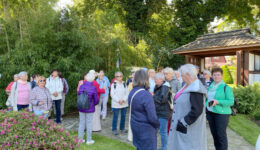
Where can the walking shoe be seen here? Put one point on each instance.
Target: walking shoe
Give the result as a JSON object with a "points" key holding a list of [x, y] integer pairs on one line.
{"points": [[124, 131], [115, 133], [90, 142]]}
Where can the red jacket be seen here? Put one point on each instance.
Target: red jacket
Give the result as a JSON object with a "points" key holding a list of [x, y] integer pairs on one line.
{"points": [[99, 91]]}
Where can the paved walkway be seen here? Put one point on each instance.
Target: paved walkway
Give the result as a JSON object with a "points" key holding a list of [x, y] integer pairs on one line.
{"points": [[235, 141]]}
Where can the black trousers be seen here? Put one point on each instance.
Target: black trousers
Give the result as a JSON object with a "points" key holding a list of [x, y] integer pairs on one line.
{"points": [[218, 125]]}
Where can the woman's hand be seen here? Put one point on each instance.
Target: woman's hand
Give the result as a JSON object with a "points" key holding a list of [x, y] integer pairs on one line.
{"points": [[40, 103], [215, 102]]}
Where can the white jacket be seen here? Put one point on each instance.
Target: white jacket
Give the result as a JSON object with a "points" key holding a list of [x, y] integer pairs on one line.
{"points": [[55, 85], [119, 93]]}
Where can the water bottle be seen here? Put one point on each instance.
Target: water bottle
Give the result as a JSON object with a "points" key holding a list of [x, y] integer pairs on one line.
{"points": [[257, 146]]}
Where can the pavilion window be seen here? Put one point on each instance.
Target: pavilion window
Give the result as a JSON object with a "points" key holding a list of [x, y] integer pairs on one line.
{"points": [[257, 62]]}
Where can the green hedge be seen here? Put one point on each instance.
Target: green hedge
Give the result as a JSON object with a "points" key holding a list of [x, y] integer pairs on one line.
{"points": [[248, 98]]}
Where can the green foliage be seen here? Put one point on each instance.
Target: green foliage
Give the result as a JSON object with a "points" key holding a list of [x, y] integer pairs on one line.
{"points": [[24, 130], [248, 98], [227, 77], [256, 114]]}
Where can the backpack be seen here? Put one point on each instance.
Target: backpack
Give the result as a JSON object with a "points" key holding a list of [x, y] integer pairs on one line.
{"points": [[233, 108], [83, 101]]}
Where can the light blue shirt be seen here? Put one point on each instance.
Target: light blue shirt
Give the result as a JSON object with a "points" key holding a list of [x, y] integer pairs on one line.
{"points": [[103, 83], [152, 85]]}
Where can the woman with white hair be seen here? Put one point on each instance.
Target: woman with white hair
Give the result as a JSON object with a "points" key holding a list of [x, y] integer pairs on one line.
{"points": [[188, 125], [119, 95], [151, 74], [208, 79], [170, 77], [20, 93], [162, 100], [86, 116]]}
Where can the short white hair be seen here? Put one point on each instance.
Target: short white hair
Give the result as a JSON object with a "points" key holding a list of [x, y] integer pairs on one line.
{"points": [[21, 74], [168, 70], [92, 71], [159, 76], [189, 69], [90, 77], [207, 72], [118, 73], [151, 70]]}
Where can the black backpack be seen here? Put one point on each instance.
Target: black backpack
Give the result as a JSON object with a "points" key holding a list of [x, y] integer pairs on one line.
{"points": [[83, 101], [233, 108], [115, 85]]}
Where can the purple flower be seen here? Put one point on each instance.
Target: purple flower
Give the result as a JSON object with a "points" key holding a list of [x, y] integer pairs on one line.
{"points": [[33, 128], [16, 136], [33, 124], [67, 134]]}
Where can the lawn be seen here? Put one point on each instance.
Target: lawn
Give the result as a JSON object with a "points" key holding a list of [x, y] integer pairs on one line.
{"points": [[105, 143], [242, 125]]}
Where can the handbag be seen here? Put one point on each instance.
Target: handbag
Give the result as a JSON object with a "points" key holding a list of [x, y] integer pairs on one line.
{"points": [[130, 133]]}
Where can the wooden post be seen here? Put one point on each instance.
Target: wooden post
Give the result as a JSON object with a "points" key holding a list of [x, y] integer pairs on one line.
{"points": [[246, 68], [240, 67]]}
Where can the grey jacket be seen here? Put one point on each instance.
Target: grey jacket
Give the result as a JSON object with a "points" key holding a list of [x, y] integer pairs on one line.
{"points": [[175, 85], [189, 111]]}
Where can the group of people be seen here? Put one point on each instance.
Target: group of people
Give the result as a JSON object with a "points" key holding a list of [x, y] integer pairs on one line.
{"points": [[177, 103], [183, 110], [39, 95]]}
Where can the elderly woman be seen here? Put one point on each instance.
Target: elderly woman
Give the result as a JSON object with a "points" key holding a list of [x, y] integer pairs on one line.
{"points": [[143, 119], [103, 82], [40, 98], [8, 88], [188, 126], [119, 95], [20, 93], [170, 77], [220, 99], [86, 116], [151, 74], [162, 100], [208, 79]]}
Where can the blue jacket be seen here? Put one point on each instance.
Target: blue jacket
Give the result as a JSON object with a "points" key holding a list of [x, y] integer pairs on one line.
{"points": [[144, 121]]}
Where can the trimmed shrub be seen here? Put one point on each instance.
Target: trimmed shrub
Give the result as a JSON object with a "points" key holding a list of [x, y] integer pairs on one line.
{"points": [[227, 77], [248, 98], [24, 130]]}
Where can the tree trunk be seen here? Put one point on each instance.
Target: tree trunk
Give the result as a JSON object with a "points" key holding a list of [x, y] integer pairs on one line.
{"points": [[7, 40]]}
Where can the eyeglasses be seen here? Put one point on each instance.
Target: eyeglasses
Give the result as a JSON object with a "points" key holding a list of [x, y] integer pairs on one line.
{"points": [[42, 80], [118, 76]]}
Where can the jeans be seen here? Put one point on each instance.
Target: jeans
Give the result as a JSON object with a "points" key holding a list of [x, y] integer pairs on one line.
{"points": [[85, 122], [163, 132], [218, 124], [58, 110], [62, 105], [103, 108], [40, 112], [20, 107], [115, 118]]}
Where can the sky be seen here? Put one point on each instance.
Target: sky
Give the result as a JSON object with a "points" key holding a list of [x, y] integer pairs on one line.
{"points": [[63, 3]]}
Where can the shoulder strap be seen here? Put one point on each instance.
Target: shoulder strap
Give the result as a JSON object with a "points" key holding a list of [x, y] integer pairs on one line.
{"points": [[134, 96], [225, 88], [114, 85]]}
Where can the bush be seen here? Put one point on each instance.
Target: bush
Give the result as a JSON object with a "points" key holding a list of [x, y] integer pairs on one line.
{"points": [[227, 77], [24, 130], [248, 98], [256, 114]]}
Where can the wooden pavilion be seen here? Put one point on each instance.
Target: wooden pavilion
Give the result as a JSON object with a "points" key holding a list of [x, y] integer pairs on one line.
{"points": [[240, 43]]}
